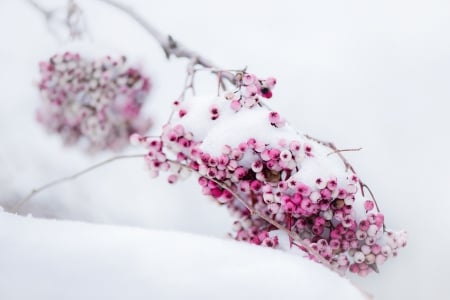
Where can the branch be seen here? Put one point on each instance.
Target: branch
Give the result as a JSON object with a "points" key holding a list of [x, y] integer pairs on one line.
{"points": [[344, 150], [279, 226], [16, 208], [365, 186], [169, 45], [348, 166], [48, 14], [72, 20], [330, 145], [266, 218]]}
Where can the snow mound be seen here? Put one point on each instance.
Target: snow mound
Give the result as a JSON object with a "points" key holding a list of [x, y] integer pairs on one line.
{"points": [[48, 259]]}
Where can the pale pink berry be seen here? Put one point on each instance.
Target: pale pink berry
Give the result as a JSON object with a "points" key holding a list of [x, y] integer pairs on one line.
{"points": [[274, 117], [235, 105], [248, 79], [257, 166], [320, 183], [135, 139], [369, 205], [294, 146], [270, 82], [172, 178]]}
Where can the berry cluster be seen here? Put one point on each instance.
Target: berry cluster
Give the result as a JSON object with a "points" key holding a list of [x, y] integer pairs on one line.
{"points": [[94, 102], [278, 180], [251, 88]]}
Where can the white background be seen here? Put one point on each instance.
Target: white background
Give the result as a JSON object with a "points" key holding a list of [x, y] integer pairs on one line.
{"points": [[370, 74]]}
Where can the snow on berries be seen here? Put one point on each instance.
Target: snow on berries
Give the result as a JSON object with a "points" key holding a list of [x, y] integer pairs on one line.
{"points": [[96, 103], [273, 180]]}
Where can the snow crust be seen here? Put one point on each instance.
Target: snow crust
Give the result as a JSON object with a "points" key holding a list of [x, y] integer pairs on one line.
{"points": [[233, 128], [49, 259]]}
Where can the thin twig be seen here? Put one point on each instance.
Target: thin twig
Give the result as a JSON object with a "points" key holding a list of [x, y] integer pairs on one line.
{"points": [[365, 186], [330, 145], [344, 150], [348, 166], [189, 80], [266, 218], [279, 226], [220, 83], [191, 72], [48, 16], [188, 84], [16, 208], [73, 20]]}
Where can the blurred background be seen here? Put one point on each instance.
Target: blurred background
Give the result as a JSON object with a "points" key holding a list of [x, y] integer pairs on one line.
{"points": [[370, 74]]}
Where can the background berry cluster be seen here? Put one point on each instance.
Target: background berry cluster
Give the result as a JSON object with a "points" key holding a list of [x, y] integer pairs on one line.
{"points": [[96, 103]]}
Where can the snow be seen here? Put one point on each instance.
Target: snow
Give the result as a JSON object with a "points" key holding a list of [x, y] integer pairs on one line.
{"points": [[233, 128], [371, 74], [48, 259]]}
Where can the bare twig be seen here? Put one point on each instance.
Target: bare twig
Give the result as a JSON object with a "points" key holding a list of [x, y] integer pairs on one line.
{"points": [[344, 150], [188, 84], [266, 218], [276, 224], [348, 166], [73, 19], [70, 177], [330, 145], [220, 83], [49, 15], [190, 79], [365, 186]]}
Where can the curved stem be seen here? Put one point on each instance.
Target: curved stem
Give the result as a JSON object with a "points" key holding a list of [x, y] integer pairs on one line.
{"points": [[263, 216], [344, 150], [50, 184], [348, 166], [281, 227]]}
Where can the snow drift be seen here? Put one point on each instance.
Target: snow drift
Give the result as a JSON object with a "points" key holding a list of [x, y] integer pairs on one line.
{"points": [[48, 259]]}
